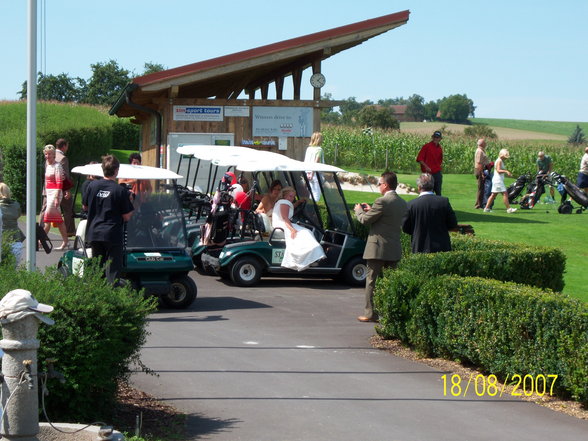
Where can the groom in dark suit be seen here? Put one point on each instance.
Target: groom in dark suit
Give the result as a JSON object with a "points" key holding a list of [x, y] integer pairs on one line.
{"points": [[429, 219], [383, 249]]}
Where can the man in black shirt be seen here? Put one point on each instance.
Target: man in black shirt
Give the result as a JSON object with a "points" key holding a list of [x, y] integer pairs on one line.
{"points": [[109, 206]]}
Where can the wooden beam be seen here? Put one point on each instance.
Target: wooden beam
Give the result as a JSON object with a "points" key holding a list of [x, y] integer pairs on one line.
{"points": [[264, 89], [279, 87], [296, 82]]}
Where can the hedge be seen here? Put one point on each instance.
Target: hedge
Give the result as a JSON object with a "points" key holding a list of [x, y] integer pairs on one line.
{"points": [[434, 303], [504, 328], [98, 333], [542, 267]]}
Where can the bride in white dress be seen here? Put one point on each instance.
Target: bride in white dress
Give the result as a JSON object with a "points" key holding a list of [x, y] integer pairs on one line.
{"points": [[302, 249]]}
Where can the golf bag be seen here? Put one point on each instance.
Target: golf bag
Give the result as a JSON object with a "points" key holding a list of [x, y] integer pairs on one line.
{"points": [[516, 188], [534, 192], [565, 187]]}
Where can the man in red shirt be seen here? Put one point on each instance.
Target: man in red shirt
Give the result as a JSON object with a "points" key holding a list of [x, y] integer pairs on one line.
{"points": [[430, 157]]}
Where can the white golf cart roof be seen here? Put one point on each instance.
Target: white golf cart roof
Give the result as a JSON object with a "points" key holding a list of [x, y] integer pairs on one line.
{"points": [[248, 159], [128, 171]]}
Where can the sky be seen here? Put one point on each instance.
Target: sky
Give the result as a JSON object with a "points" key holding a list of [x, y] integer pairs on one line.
{"points": [[519, 59]]}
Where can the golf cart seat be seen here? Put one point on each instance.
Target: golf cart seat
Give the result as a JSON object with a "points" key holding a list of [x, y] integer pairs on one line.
{"points": [[277, 237], [265, 221], [80, 240]]}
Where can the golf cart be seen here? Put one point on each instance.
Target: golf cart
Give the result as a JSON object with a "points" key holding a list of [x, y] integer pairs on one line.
{"points": [[257, 252], [155, 246]]}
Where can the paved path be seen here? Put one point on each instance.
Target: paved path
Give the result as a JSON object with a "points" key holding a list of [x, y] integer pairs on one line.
{"points": [[288, 361]]}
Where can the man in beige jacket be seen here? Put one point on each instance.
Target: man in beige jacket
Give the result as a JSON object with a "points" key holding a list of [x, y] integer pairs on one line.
{"points": [[383, 248]]}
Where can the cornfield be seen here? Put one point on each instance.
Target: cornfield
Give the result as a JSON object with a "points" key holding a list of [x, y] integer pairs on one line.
{"points": [[353, 148]]}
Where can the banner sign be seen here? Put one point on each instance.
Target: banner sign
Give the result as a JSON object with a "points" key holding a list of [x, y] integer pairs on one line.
{"points": [[198, 113], [290, 122], [237, 111]]}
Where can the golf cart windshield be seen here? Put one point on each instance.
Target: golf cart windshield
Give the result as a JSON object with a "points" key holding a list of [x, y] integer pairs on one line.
{"points": [[158, 219]]}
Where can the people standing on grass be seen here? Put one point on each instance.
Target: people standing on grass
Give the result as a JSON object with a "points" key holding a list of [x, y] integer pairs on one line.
{"points": [[429, 219], [430, 158], [545, 167], [498, 182], [54, 180], [383, 248], [583, 174], [481, 163]]}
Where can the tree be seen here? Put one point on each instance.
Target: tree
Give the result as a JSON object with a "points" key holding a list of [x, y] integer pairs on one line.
{"points": [[106, 84], [398, 101], [151, 67], [456, 108], [328, 114], [577, 137], [377, 116], [431, 110], [415, 108], [56, 88]]}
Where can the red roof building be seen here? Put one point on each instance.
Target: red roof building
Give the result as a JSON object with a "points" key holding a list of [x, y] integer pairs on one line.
{"points": [[203, 97]]}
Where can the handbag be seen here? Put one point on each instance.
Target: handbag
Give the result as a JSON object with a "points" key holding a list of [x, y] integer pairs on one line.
{"points": [[67, 184]]}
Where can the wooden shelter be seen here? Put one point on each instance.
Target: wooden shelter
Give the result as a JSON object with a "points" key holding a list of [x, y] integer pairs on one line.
{"points": [[199, 103]]}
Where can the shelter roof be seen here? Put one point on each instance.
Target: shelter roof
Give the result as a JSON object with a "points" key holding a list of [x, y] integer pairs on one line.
{"points": [[227, 76]]}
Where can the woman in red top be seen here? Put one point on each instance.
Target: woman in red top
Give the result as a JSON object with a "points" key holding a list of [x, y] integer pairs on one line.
{"points": [[54, 178]]}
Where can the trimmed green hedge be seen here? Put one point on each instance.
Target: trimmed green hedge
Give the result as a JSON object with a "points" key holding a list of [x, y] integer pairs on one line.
{"points": [[91, 133], [433, 303], [98, 333], [504, 328], [542, 267]]}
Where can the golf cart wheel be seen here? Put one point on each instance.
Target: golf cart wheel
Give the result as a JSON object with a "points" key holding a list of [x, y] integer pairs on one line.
{"points": [[182, 293], [355, 271], [246, 271]]}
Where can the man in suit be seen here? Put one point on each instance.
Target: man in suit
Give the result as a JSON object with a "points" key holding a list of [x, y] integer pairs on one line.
{"points": [[429, 219], [383, 249], [61, 148]]}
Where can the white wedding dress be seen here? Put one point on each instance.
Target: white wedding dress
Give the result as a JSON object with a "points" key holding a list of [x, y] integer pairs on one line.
{"points": [[301, 251]]}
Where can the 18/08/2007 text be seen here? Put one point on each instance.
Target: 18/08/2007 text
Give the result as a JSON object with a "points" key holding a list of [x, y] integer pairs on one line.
{"points": [[524, 385]]}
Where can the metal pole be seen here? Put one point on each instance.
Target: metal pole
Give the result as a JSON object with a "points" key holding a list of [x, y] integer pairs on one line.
{"points": [[31, 243]]}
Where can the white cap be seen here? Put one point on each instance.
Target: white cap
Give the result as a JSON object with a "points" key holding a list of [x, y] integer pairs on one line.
{"points": [[21, 300]]}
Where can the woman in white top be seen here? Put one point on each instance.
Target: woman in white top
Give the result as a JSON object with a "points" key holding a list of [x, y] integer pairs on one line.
{"points": [[314, 153], [302, 249], [498, 182]]}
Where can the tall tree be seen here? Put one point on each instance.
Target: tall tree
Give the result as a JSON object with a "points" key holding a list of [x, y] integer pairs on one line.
{"points": [[151, 67], [431, 110], [577, 137], [106, 84], [378, 116], [415, 107], [56, 88], [456, 108]]}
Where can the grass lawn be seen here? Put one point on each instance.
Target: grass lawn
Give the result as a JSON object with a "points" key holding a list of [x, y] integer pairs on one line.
{"points": [[542, 225]]}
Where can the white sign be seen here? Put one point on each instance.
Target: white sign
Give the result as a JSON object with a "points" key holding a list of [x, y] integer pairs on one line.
{"points": [[237, 111], [290, 122], [198, 113]]}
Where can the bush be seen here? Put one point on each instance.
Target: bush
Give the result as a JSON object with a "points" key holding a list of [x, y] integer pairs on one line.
{"points": [[98, 332], [433, 303], [480, 131], [504, 328], [542, 267]]}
